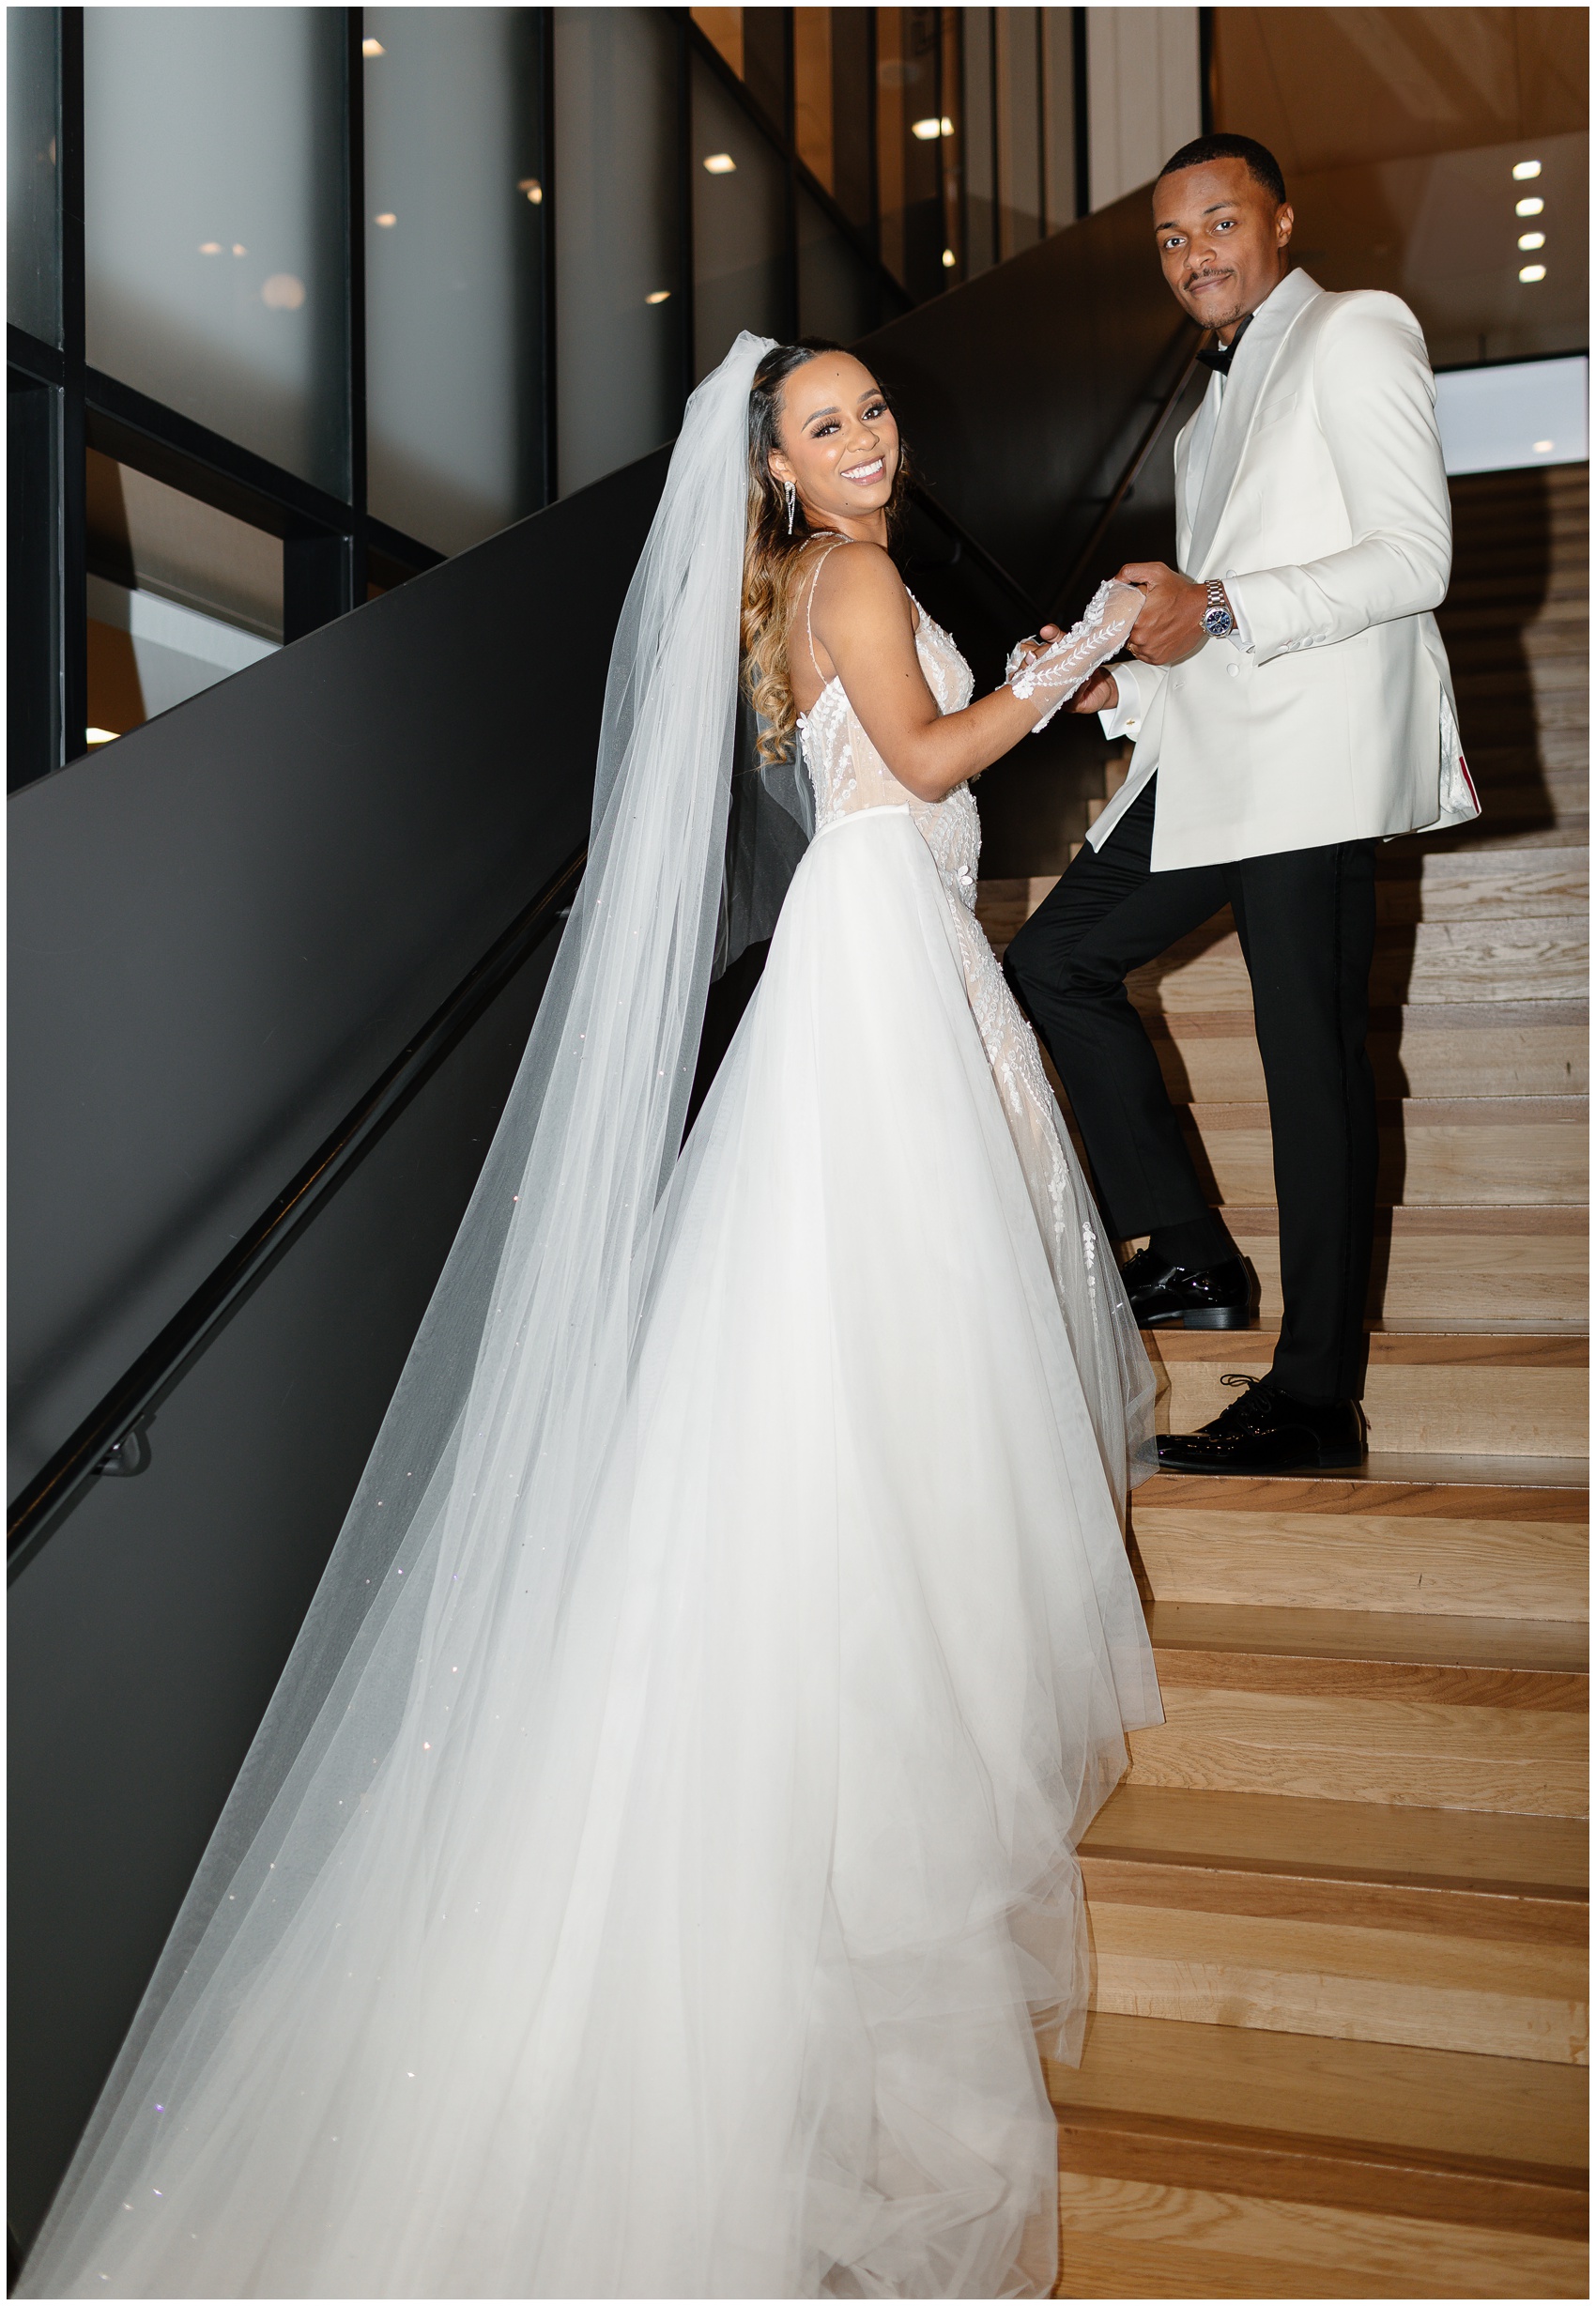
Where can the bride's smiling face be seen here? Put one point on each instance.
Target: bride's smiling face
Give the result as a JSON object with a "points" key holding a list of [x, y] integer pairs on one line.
{"points": [[839, 441]]}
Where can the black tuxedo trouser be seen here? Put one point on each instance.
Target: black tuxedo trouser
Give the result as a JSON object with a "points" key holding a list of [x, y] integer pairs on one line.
{"points": [[1306, 922]]}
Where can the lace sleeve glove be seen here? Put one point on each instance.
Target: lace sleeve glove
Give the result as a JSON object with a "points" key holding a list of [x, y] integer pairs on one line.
{"points": [[1075, 655]]}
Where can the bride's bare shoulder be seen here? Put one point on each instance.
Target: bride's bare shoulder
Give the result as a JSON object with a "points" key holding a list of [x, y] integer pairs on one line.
{"points": [[862, 583]]}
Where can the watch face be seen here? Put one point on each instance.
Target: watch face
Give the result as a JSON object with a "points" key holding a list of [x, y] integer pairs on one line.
{"points": [[1219, 624]]}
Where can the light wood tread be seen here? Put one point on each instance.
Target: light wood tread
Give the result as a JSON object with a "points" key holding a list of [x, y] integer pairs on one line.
{"points": [[1391, 1348], [1499, 1661], [1359, 1844], [1426, 2132], [1452, 1486]]}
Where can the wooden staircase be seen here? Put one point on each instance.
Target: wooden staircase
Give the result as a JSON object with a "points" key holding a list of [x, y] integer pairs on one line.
{"points": [[1339, 1906]]}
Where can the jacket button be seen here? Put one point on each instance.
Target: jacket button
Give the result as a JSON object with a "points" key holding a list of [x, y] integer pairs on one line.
{"points": [[1234, 671]]}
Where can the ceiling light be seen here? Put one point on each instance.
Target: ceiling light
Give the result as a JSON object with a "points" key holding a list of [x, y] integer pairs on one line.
{"points": [[1523, 169], [720, 165], [657, 296], [948, 259], [1531, 206], [385, 219], [1531, 271], [1532, 239], [100, 736], [282, 293], [238, 249], [210, 248], [1544, 448], [925, 130], [373, 48], [532, 189]]}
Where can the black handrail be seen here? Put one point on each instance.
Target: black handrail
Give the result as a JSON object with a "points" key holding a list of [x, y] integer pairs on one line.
{"points": [[38, 1508], [972, 549], [1080, 565]]}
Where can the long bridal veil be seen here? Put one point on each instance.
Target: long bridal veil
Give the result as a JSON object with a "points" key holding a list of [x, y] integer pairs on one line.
{"points": [[462, 1532], [455, 1647]]}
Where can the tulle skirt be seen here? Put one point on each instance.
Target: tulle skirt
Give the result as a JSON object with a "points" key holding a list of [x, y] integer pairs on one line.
{"points": [[718, 1974]]}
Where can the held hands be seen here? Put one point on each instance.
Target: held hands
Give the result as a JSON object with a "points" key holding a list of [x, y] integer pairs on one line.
{"points": [[1094, 695], [1067, 669], [1170, 627]]}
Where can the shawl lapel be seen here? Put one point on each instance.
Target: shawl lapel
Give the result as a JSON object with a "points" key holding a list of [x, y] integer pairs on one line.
{"points": [[1272, 325]]}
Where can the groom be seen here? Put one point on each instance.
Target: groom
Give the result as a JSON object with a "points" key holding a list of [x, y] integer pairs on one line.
{"points": [[1291, 705]]}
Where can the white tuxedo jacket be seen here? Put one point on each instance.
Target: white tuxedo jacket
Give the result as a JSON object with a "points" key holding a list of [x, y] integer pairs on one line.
{"points": [[1312, 481]]}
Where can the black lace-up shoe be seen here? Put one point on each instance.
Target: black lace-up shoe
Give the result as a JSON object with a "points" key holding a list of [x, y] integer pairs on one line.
{"points": [[1208, 1297], [1267, 1432]]}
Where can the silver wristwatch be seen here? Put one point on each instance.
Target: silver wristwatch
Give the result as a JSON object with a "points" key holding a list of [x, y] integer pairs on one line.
{"points": [[1217, 621]]}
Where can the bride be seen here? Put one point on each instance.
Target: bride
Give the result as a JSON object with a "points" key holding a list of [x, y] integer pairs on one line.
{"points": [[658, 1855]]}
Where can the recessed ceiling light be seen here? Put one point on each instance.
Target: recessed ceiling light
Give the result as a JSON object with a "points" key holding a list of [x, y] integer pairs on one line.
{"points": [[1531, 271], [238, 249], [385, 219], [720, 165], [657, 296], [1522, 169], [532, 189], [948, 259], [210, 248], [1532, 239], [1530, 207], [373, 48], [100, 736], [1544, 448], [925, 130]]}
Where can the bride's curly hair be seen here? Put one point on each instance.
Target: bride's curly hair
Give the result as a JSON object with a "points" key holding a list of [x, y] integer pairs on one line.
{"points": [[771, 554]]}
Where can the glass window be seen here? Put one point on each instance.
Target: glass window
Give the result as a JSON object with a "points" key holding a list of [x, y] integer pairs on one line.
{"points": [[617, 236], [765, 63], [146, 654], [739, 225], [839, 291], [143, 534], [213, 156], [909, 131], [812, 127], [454, 282], [852, 114], [33, 203], [723, 28]]}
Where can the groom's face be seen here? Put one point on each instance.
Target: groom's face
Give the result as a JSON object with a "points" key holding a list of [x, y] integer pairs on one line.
{"points": [[1221, 240]]}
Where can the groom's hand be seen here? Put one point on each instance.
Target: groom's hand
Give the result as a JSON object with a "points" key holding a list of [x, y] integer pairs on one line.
{"points": [[1170, 626]]}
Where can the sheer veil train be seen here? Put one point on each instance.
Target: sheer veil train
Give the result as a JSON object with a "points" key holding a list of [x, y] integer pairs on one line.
{"points": [[406, 2033]]}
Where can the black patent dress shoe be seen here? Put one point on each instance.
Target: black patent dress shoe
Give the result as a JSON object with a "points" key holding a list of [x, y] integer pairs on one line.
{"points": [[1267, 1432], [1206, 1296]]}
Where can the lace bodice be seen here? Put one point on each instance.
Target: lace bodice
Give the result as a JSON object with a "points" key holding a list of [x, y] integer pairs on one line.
{"points": [[848, 774]]}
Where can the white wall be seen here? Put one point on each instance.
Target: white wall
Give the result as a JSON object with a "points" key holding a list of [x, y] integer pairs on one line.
{"points": [[1143, 81], [1521, 413]]}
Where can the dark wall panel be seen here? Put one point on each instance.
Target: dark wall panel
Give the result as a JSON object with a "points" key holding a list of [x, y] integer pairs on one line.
{"points": [[147, 1636], [224, 925]]}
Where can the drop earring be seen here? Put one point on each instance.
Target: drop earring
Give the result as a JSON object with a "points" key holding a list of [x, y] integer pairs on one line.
{"points": [[791, 504]]}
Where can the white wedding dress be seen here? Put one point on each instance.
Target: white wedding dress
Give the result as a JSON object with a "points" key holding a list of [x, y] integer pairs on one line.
{"points": [[690, 1934]]}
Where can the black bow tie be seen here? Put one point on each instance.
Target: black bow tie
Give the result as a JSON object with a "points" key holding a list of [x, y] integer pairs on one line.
{"points": [[1218, 355]]}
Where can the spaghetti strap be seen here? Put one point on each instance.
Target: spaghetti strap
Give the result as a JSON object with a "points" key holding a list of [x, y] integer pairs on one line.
{"points": [[809, 605]]}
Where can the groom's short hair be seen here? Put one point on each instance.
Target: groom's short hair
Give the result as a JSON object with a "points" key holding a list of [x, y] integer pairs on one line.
{"points": [[1261, 163]]}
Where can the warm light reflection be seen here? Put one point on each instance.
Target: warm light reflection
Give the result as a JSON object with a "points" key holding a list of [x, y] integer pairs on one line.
{"points": [[1544, 448], [1532, 239], [925, 130], [1522, 169], [1531, 271], [371, 48], [283, 292], [948, 259], [657, 296], [210, 248], [101, 736], [385, 219], [238, 249], [532, 189], [1532, 207], [720, 165]]}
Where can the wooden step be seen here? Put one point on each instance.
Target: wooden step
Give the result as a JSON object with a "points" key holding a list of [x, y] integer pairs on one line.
{"points": [[1461, 1536], [1527, 1267], [1488, 959], [1520, 1396], [1217, 2161], [1435, 1049], [1434, 1712], [1523, 1152], [1453, 1929], [1473, 885]]}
